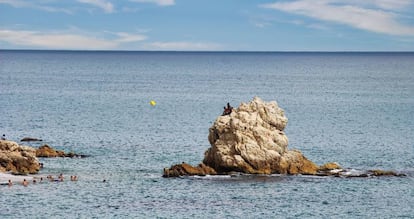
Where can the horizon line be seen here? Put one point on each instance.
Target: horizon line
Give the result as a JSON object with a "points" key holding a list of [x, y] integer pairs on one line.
{"points": [[216, 51]]}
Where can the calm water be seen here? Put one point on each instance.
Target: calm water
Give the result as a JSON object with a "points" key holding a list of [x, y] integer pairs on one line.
{"points": [[353, 108]]}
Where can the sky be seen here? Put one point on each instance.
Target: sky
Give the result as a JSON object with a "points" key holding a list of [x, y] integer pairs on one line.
{"points": [[208, 25]]}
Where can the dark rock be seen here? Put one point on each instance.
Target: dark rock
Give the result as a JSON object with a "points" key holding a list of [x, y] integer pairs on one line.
{"points": [[185, 169], [384, 173], [30, 139]]}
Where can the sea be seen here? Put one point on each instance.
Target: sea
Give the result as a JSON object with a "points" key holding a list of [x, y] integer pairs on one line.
{"points": [[353, 108]]}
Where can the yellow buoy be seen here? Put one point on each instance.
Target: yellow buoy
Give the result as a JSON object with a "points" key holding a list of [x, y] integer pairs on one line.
{"points": [[152, 102]]}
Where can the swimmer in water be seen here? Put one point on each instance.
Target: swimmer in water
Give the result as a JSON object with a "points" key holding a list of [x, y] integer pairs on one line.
{"points": [[25, 182], [60, 177]]}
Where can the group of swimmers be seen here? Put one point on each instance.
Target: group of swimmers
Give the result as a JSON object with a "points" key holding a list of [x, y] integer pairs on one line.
{"points": [[60, 178]]}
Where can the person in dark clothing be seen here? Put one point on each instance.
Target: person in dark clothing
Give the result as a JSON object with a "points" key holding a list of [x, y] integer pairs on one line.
{"points": [[227, 110]]}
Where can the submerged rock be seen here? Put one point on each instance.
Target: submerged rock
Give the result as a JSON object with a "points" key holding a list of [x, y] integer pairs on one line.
{"points": [[333, 169], [18, 159], [350, 173], [384, 173]]}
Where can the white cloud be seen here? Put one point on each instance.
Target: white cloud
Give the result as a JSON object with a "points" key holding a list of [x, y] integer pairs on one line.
{"points": [[183, 46], [63, 40], [128, 38], [261, 24], [375, 16], [107, 6], [260, 21], [34, 5], [317, 26], [158, 2], [15, 3], [382, 4], [76, 39]]}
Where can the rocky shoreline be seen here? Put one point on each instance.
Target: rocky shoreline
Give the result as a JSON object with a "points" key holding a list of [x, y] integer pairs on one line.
{"points": [[17, 158], [22, 160], [250, 139]]}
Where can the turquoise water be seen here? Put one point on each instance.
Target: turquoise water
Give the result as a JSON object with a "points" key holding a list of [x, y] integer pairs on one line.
{"points": [[353, 108]]}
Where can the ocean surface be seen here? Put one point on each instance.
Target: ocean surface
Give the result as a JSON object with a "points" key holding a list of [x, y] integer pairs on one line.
{"points": [[356, 109]]}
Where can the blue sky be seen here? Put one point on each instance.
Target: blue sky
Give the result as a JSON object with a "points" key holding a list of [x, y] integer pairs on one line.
{"points": [[208, 25]]}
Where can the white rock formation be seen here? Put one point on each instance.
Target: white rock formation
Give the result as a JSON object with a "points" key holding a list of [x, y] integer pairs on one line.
{"points": [[251, 140]]}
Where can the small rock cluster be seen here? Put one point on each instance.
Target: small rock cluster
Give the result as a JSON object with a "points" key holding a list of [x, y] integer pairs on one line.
{"points": [[22, 160], [47, 151]]}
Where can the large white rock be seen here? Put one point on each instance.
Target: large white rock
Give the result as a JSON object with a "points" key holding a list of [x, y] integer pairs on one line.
{"points": [[251, 140]]}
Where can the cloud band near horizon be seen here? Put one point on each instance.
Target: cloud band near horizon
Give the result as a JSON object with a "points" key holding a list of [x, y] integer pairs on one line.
{"points": [[63, 40]]}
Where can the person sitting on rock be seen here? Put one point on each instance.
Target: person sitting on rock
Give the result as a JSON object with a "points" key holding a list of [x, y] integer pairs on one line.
{"points": [[227, 110], [3, 137], [224, 111]]}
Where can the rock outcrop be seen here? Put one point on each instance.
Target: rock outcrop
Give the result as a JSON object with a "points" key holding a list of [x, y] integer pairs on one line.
{"points": [[185, 169], [30, 139], [47, 151], [18, 159], [251, 140]]}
